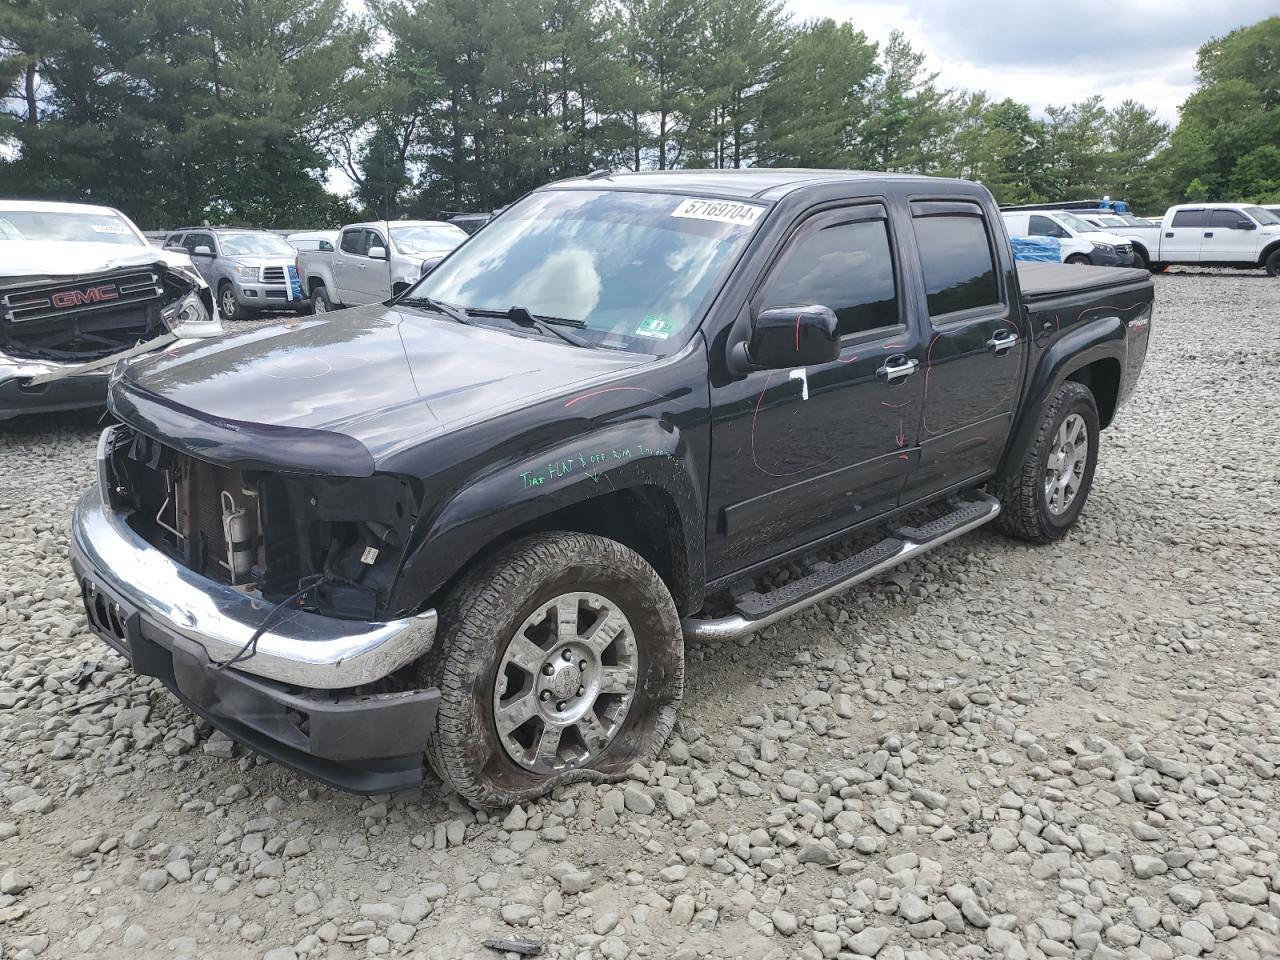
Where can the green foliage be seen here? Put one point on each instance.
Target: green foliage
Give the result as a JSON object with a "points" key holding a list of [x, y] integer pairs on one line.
{"points": [[1225, 146], [241, 110]]}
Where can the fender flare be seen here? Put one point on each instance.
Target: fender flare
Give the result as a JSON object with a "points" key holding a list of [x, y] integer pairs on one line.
{"points": [[648, 455], [1099, 339]]}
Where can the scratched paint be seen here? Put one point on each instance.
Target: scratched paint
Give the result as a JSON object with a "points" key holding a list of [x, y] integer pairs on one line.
{"points": [[590, 463]]}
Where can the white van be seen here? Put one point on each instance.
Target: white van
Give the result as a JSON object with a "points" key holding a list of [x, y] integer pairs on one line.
{"points": [[1081, 241]]}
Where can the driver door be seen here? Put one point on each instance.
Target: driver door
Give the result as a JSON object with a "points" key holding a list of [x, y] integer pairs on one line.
{"points": [[802, 454]]}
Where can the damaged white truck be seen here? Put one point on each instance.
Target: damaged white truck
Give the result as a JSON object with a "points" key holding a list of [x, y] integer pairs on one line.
{"points": [[80, 290]]}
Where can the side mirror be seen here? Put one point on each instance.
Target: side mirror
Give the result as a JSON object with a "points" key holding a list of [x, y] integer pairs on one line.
{"points": [[377, 253], [799, 336], [1244, 225], [202, 251], [430, 264]]}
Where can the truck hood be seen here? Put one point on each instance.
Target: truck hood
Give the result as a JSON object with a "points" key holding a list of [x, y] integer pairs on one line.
{"points": [[380, 376], [1102, 236], [26, 261]]}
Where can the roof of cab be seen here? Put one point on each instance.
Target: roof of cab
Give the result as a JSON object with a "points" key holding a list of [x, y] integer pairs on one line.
{"points": [[758, 183]]}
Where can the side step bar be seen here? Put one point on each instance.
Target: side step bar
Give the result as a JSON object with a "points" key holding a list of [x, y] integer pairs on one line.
{"points": [[756, 610]]}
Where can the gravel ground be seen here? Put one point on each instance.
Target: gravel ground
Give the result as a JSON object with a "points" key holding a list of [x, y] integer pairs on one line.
{"points": [[995, 751]]}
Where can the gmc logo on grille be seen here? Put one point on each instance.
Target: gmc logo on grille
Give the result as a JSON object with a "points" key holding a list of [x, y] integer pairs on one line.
{"points": [[80, 298]]}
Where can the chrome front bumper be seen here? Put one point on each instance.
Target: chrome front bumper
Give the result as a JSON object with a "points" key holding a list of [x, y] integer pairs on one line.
{"points": [[304, 649]]}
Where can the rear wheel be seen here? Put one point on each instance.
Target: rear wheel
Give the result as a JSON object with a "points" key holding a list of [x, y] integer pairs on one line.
{"points": [[1272, 263], [1078, 258], [560, 658], [1043, 496], [320, 302]]}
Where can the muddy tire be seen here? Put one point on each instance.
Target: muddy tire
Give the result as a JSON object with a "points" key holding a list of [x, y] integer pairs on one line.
{"points": [[1043, 496], [560, 658]]}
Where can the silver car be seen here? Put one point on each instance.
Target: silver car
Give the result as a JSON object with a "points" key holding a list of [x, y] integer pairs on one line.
{"points": [[248, 270]]}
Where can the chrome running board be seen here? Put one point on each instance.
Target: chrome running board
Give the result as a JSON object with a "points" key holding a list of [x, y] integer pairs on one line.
{"points": [[756, 610]]}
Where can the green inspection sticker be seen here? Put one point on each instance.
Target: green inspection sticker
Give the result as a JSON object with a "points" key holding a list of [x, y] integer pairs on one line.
{"points": [[656, 328]]}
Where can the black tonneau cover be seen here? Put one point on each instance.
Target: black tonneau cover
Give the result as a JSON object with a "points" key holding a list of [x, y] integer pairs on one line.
{"points": [[1042, 281]]}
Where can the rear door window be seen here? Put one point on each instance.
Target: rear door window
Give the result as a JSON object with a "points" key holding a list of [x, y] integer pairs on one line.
{"points": [[956, 257], [1191, 218]]}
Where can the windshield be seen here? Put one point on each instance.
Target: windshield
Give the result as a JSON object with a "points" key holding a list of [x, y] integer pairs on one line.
{"points": [[67, 227], [633, 269], [254, 245], [1261, 215], [1075, 223], [427, 237]]}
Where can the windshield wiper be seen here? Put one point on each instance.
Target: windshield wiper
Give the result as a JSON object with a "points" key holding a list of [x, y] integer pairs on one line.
{"points": [[521, 317], [439, 306]]}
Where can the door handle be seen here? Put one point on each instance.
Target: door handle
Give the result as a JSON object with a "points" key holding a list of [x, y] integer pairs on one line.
{"points": [[1170, 234], [897, 367], [1002, 341], [1209, 233]]}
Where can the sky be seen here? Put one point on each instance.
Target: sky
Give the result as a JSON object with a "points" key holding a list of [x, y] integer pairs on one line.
{"points": [[1051, 52]]}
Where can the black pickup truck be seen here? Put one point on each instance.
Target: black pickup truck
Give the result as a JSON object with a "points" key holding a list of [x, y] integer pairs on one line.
{"points": [[478, 523]]}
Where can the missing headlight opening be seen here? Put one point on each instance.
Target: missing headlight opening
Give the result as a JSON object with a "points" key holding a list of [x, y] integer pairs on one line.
{"points": [[266, 533]]}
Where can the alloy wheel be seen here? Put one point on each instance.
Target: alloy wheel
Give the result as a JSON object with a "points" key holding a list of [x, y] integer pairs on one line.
{"points": [[565, 683], [1064, 472]]}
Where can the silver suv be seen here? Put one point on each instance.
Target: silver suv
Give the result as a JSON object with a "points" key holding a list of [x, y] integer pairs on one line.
{"points": [[248, 270]]}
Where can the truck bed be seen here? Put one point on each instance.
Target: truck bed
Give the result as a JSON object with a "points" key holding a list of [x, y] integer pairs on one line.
{"points": [[1044, 281]]}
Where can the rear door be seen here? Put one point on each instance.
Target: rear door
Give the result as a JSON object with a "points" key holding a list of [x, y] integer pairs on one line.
{"points": [[976, 350], [1181, 237], [349, 264], [1229, 237], [801, 454]]}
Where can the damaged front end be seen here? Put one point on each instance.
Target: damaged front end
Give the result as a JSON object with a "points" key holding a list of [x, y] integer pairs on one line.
{"points": [[259, 597], [333, 542], [60, 335]]}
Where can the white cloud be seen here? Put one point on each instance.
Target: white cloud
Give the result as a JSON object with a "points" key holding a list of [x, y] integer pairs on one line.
{"points": [[1045, 53]]}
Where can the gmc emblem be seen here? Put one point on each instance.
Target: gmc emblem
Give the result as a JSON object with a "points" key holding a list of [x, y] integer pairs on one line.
{"points": [[78, 298]]}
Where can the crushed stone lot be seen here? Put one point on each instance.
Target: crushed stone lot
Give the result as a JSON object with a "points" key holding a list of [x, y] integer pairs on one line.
{"points": [[995, 751]]}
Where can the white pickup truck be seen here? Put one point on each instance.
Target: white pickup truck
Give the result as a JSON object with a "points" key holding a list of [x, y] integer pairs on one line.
{"points": [[365, 268], [1212, 234]]}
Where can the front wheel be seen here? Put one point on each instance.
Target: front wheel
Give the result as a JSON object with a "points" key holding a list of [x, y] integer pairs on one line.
{"points": [[228, 304], [1078, 258], [1272, 263], [1140, 260], [560, 658], [1044, 494]]}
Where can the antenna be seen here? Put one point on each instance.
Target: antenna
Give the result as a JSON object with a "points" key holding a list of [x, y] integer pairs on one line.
{"points": [[386, 222]]}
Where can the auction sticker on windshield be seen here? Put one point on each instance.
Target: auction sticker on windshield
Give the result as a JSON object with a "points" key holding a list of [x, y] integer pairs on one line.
{"points": [[722, 211]]}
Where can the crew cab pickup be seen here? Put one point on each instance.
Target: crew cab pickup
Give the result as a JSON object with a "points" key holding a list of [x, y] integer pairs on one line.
{"points": [[81, 290], [1237, 235], [478, 523], [366, 268]]}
